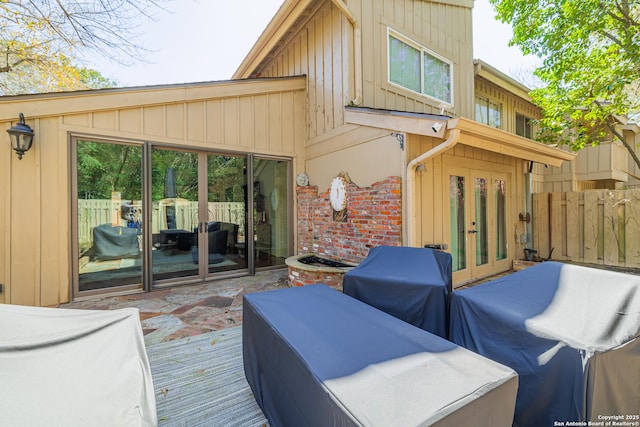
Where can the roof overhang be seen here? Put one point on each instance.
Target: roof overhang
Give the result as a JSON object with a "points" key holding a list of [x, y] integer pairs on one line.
{"points": [[398, 121], [472, 133], [61, 103], [497, 77], [478, 135], [278, 27]]}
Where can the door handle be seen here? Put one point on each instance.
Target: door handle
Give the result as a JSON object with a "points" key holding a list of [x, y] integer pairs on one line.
{"points": [[472, 231]]}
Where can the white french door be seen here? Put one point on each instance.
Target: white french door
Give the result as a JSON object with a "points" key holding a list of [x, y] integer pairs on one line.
{"points": [[477, 202]]}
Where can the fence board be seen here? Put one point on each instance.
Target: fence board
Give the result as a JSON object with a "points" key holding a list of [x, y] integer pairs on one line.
{"points": [[557, 226], [541, 223], [591, 232], [573, 225], [611, 226], [632, 228]]}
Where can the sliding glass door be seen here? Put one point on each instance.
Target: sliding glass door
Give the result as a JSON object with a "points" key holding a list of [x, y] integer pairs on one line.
{"points": [[109, 228], [151, 216]]}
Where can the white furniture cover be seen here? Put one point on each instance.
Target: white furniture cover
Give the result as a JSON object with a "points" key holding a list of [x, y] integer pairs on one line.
{"points": [[570, 332], [62, 367]]}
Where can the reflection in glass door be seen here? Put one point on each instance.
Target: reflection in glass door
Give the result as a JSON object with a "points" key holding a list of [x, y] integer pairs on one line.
{"points": [[271, 230], [224, 229], [108, 210], [147, 215], [174, 220], [457, 228], [199, 205]]}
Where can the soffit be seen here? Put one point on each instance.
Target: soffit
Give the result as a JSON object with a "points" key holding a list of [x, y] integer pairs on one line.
{"points": [[478, 135]]}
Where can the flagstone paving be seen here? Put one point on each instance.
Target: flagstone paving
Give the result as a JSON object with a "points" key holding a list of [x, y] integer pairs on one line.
{"points": [[182, 311]]}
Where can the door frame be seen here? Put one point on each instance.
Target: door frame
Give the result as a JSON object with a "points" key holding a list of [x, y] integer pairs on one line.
{"points": [[491, 173]]}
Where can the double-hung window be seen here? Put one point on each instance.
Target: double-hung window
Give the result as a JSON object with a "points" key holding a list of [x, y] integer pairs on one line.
{"points": [[416, 68]]}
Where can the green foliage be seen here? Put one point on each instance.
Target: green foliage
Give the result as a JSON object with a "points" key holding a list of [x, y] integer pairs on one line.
{"points": [[591, 55]]}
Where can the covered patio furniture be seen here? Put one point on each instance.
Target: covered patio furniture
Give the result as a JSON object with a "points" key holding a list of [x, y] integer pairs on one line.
{"points": [[68, 367], [315, 357], [571, 332], [412, 284], [115, 242]]}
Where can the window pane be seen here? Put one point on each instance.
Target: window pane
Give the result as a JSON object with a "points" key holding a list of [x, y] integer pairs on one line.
{"points": [[404, 64], [495, 114], [524, 126], [457, 220], [110, 225], [501, 221], [488, 112], [482, 242], [437, 78], [481, 111]]}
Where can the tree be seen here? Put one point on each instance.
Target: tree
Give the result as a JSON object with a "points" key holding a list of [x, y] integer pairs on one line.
{"points": [[591, 64], [42, 39]]}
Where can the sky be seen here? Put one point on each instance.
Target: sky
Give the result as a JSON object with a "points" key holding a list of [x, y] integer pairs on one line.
{"points": [[206, 40]]}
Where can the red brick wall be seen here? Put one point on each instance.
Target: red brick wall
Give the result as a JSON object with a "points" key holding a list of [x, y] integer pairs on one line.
{"points": [[298, 277], [374, 219]]}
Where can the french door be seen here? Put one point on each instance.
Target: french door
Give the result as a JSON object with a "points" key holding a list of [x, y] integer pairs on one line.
{"points": [[147, 215], [478, 202]]}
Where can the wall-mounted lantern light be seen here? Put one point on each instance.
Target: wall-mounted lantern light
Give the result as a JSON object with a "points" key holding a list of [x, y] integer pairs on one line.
{"points": [[21, 137]]}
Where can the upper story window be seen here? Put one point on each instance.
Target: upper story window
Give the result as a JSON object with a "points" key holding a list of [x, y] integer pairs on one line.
{"points": [[416, 68], [488, 112], [524, 126]]}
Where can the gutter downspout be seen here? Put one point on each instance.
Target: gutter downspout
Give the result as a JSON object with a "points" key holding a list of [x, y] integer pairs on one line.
{"points": [[357, 51], [449, 143]]}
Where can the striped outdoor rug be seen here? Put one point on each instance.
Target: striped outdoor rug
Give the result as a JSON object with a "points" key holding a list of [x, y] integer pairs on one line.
{"points": [[199, 381]]}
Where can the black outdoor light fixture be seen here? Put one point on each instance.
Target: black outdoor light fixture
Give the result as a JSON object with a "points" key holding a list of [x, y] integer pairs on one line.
{"points": [[21, 137]]}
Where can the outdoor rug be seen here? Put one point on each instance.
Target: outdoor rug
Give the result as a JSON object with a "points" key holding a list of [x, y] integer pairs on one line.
{"points": [[199, 381]]}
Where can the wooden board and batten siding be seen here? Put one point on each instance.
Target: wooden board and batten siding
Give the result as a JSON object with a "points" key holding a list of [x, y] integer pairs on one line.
{"points": [[593, 227]]}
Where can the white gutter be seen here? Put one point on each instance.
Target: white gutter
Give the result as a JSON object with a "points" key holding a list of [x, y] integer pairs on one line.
{"points": [[449, 143], [357, 51]]}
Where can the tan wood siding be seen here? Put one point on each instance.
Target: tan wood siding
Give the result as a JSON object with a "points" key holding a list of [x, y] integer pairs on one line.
{"points": [[432, 182], [442, 28], [319, 50], [35, 216], [511, 104], [322, 49]]}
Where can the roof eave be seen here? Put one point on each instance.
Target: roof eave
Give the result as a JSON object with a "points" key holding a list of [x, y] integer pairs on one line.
{"points": [[284, 18]]}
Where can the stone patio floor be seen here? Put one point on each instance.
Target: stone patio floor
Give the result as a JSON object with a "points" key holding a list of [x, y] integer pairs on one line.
{"points": [[188, 310]]}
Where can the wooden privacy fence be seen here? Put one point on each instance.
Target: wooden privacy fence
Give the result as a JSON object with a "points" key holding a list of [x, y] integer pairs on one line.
{"points": [[593, 226], [92, 213]]}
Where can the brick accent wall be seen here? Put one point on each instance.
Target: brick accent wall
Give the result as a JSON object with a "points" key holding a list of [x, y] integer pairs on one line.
{"points": [[374, 219]]}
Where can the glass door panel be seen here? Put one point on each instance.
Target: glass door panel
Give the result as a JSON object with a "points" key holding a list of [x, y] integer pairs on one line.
{"points": [[457, 213], [226, 213], [500, 191], [108, 209], [483, 223], [480, 222], [271, 229], [175, 215]]}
